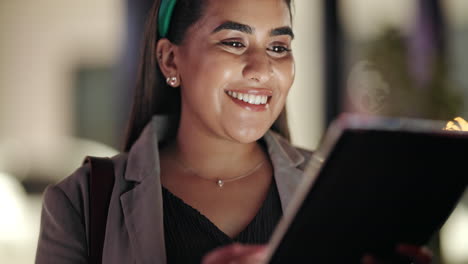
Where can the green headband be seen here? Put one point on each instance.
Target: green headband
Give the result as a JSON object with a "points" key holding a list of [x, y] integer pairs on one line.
{"points": [[164, 17]]}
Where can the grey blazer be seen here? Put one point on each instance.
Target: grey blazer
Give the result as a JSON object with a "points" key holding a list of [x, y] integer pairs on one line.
{"points": [[135, 231]]}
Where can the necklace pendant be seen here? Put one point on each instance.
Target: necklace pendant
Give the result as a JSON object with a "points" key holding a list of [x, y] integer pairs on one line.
{"points": [[220, 183]]}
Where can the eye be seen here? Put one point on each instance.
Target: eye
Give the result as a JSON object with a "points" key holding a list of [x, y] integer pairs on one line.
{"points": [[279, 49], [234, 44]]}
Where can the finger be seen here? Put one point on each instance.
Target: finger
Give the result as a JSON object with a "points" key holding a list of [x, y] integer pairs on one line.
{"points": [[368, 259], [451, 126], [421, 255], [463, 123], [235, 252], [222, 253], [255, 258]]}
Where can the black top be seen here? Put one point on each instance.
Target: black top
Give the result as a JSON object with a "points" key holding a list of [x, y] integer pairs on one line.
{"points": [[189, 235]]}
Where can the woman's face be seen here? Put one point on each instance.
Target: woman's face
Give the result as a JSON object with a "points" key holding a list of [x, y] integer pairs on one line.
{"points": [[236, 68]]}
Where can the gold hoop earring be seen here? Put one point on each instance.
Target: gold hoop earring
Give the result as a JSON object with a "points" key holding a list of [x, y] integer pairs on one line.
{"points": [[172, 81]]}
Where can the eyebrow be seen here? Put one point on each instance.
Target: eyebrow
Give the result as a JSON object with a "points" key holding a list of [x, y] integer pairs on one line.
{"points": [[231, 25], [282, 31]]}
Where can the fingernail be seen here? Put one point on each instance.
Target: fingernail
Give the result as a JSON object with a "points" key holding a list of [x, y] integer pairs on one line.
{"points": [[367, 259]]}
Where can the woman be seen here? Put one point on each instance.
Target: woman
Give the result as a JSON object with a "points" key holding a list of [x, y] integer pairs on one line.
{"points": [[202, 169]]}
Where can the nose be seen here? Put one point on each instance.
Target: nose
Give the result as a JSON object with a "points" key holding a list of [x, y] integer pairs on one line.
{"points": [[258, 66]]}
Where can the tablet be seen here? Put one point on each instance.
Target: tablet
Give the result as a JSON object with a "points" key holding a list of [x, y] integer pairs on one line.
{"points": [[372, 184]]}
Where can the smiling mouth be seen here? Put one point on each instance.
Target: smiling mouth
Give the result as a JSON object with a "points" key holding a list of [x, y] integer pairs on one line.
{"points": [[249, 98]]}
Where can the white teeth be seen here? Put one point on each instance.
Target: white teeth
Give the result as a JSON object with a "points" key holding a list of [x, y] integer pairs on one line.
{"points": [[249, 98], [252, 99], [258, 99]]}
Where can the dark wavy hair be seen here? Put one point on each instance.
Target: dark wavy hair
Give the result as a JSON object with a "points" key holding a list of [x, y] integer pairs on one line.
{"points": [[152, 95]]}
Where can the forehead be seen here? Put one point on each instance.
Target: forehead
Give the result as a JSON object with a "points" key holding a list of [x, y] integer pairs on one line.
{"points": [[260, 14]]}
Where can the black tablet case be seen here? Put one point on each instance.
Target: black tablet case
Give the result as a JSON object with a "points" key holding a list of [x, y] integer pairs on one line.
{"points": [[376, 189]]}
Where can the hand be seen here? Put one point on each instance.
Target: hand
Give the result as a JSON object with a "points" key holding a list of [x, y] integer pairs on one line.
{"points": [[238, 254], [459, 124], [419, 255]]}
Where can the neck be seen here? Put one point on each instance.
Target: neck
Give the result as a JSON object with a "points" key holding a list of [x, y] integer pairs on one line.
{"points": [[212, 156]]}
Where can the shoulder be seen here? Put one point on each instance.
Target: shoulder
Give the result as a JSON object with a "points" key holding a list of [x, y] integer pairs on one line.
{"points": [[75, 188], [65, 216]]}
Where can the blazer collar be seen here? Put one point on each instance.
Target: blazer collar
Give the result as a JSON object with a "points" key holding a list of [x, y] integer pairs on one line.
{"points": [[283, 151], [288, 163], [143, 157], [142, 205]]}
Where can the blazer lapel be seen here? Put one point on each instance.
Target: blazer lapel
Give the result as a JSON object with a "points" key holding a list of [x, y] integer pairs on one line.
{"points": [[286, 162], [142, 205]]}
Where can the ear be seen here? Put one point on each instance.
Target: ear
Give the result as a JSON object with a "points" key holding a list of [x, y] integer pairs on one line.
{"points": [[166, 56]]}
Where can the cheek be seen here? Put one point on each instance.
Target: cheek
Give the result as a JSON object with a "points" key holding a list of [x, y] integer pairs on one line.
{"points": [[216, 70], [285, 75], [206, 77]]}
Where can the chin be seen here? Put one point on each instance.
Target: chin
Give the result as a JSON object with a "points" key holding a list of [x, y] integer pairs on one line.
{"points": [[247, 135]]}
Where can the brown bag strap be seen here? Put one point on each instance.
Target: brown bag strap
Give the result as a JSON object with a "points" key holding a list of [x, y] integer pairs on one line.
{"points": [[101, 183]]}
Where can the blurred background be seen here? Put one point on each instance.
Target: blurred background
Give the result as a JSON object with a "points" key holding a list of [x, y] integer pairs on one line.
{"points": [[67, 70]]}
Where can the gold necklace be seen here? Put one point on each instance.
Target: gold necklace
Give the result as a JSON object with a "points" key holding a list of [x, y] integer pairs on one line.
{"points": [[219, 182]]}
